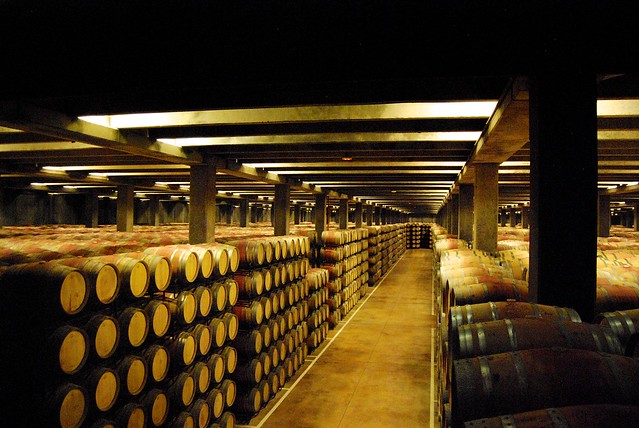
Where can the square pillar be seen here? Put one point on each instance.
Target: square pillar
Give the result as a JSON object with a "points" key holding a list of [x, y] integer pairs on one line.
{"points": [[369, 215], [125, 208], [454, 214], [154, 210], [202, 206], [91, 210], [513, 216], [282, 209], [465, 218], [244, 212], [297, 214], [485, 206], [321, 203], [343, 213], [525, 217], [228, 213], [358, 215], [563, 179]]}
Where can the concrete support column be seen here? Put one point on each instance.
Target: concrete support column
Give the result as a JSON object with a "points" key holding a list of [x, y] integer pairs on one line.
{"points": [[636, 217], [282, 209], [91, 210], [228, 213], [125, 208], [485, 205], [503, 217], [513, 216], [244, 212], [525, 217], [465, 220], [358, 215], [378, 216], [369, 215], [2, 208], [154, 210], [297, 214], [563, 180], [343, 214], [603, 219], [454, 214], [202, 212], [321, 203]]}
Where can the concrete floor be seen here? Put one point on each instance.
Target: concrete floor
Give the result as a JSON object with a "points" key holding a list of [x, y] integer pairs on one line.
{"points": [[374, 370]]}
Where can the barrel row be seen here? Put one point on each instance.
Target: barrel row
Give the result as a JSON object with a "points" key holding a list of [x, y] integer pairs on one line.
{"points": [[418, 235]]}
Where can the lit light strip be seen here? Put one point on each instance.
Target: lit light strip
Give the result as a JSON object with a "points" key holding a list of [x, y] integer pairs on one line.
{"points": [[368, 137], [427, 110], [116, 167], [366, 171], [621, 134], [617, 108], [355, 164]]}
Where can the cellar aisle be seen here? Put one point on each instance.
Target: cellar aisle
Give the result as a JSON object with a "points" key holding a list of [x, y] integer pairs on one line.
{"points": [[374, 370]]}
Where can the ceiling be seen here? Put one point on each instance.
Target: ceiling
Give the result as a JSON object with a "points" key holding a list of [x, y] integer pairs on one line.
{"points": [[374, 102]]}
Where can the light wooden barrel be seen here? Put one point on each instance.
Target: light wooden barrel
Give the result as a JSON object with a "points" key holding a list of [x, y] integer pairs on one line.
{"points": [[69, 349], [218, 332], [131, 415], [266, 362], [183, 307], [249, 312], [265, 331], [229, 389], [104, 385], [47, 288], [133, 374], [274, 354], [616, 297], [487, 292], [159, 317], [251, 252], [229, 354], [203, 336], [248, 402], [181, 390], [232, 325], [201, 412], [249, 342], [623, 323], [182, 348], [69, 405], [515, 382], [219, 297], [267, 278], [204, 299], [104, 335], [185, 264], [232, 291], [217, 367], [158, 361], [156, 405], [183, 419], [587, 415], [491, 311], [159, 269], [493, 337], [135, 275], [201, 373], [274, 382], [215, 398], [104, 276], [206, 259], [134, 326], [250, 283], [227, 420]]}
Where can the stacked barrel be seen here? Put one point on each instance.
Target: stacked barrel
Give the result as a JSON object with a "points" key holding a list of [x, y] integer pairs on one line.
{"points": [[374, 255], [344, 253], [277, 292], [504, 360], [418, 235], [392, 245], [132, 338]]}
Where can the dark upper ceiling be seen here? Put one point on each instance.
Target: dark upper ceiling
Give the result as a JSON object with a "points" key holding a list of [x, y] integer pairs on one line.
{"points": [[67, 59]]}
